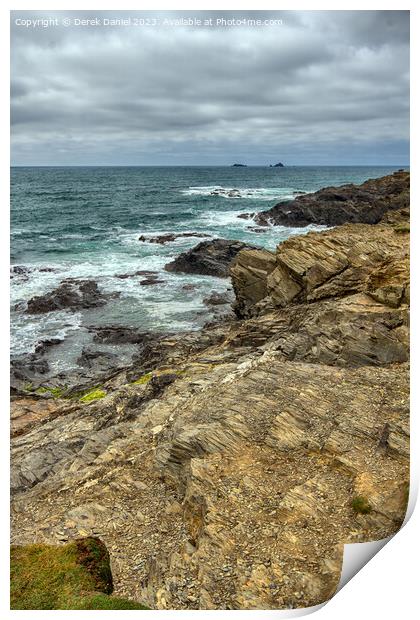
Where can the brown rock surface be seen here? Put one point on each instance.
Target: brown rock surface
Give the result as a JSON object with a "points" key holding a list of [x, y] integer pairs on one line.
{"points": [[225, 478]]}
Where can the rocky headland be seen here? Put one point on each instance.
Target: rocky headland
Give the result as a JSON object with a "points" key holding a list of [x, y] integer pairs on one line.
{"points": [[332, 206], [225, 468]]}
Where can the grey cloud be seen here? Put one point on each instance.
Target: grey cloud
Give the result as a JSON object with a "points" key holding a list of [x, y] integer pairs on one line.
{"points": [[172, 95]]}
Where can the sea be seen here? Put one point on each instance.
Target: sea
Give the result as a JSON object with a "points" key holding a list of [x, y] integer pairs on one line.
{"points": [[85, 222]]}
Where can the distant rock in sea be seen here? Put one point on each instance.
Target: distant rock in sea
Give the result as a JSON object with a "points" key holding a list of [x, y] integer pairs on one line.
{"points": [[239, 166], [279, 165]]}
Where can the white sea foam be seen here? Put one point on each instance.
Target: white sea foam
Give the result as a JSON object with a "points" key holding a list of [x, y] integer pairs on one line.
{"points": [[26, 333], [218, 219], [254, 193]]}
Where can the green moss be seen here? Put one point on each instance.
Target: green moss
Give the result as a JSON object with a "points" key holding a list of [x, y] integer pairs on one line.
{"points": [[402, 228], [56, 392], [94, 394], [361, 505], [73, 576], [143, 379]]}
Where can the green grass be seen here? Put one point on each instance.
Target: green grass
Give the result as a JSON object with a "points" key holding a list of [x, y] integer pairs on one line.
{"points": [[72, 576], [361, 505], [103, 601], [402, 228]]}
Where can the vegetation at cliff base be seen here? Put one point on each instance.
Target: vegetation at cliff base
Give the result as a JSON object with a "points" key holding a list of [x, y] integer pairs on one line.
{"points": [[361, 505], [72, 576]]}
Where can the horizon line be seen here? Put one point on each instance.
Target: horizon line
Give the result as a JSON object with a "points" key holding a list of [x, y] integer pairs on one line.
{"points": [[208, 166]]}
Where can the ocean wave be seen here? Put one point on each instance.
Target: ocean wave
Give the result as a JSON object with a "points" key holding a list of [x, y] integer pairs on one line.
{"points": [[26, 333], [217, 219], [254, 193]]}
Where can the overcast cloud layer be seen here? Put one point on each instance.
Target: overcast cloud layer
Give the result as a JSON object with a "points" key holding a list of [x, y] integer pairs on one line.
{"points": [[327, 87]]}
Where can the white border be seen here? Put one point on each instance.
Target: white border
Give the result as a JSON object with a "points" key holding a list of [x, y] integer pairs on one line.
{"points": [[387, 586]]}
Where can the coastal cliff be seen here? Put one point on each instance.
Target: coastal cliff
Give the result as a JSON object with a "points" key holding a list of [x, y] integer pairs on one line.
{"points": [[227, 468], [332, 206]]}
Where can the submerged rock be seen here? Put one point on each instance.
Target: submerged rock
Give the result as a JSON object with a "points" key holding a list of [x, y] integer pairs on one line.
{"points": [[152, 280], [258, 229], [209, 258], [118, 334], [43, 346], [141, 272], [218, 299], [332, 206], [22, 272], [71, 293], [92, 357], [169, 237]]}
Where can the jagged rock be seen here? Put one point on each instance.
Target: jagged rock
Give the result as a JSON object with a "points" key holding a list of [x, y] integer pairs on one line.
{"points": [[249, 273], [334, 263], [71, 293], [332, 206], [353, 331], [209, 258], [26, 369]]}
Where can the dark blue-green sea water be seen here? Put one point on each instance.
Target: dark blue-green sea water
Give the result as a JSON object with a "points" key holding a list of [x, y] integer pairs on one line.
{"points": [[85, 223]]}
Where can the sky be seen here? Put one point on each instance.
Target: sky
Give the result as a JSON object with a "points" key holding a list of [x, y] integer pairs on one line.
{"points": [[321, 88]]}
